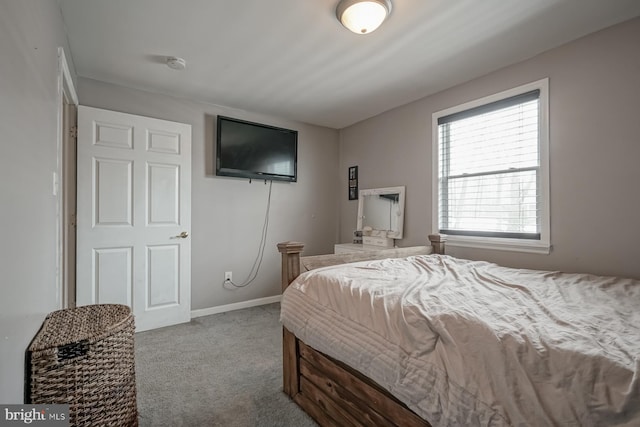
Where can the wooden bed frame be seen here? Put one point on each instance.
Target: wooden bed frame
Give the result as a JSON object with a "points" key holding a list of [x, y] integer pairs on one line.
{"points": [[331, 392]]}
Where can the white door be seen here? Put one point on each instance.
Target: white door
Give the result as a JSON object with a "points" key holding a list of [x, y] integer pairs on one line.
{"points": [[134, 215]]}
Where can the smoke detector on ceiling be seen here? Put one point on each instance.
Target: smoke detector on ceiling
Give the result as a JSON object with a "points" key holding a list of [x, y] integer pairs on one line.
{"points": [[176, 63]]}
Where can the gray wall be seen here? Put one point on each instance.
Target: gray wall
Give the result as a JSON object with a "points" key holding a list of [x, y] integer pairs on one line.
{"points": [[228, 213], [594, 154], [30, 33]]}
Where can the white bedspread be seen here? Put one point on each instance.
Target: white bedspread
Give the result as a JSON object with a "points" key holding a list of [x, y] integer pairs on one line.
{"points": [[472, 343]]}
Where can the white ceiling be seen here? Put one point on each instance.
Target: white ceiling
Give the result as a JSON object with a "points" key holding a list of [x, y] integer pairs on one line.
{"points": [[293, 59]]}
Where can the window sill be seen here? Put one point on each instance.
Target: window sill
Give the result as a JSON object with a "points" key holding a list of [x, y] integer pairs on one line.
{"points": [[512, 245]]}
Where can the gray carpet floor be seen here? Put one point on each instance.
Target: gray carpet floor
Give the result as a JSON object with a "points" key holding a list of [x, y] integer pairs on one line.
{"points": [[219, 370]]}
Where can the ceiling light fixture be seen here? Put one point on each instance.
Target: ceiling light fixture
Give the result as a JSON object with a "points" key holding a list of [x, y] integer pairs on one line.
{"points": [[363, 16], [176, 63]]}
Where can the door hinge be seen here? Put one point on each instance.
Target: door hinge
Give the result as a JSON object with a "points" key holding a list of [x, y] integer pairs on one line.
{"points": [[72, 220], [73, 132]]}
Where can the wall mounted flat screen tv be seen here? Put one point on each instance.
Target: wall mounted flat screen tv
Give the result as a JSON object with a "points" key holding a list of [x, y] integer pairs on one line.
{"points": [[255, 151]]}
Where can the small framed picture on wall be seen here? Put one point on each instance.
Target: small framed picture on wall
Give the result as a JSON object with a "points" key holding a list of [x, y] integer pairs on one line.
{"points": [[353, 183]]}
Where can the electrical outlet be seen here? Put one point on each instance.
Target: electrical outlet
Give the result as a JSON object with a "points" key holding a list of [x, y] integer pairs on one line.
{"points": [[228, 276]]}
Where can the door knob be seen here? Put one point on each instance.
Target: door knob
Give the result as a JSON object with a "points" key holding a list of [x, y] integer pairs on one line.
{"points": [[183, 235]]}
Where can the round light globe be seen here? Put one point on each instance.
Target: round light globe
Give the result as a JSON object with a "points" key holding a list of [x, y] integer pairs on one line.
{"points": [[363, 17]]}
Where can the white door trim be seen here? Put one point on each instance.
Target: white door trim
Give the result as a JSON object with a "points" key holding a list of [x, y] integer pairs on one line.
{"points": [[66, 89]]}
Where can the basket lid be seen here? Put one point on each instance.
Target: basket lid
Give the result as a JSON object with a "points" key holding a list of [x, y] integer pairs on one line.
{"points": [[89, 322]]}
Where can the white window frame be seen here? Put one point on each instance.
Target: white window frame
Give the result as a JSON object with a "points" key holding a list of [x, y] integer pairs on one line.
{"points": [[542, 246]]}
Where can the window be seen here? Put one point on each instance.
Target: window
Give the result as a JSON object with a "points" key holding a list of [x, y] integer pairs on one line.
{"points": [[491, 171]]}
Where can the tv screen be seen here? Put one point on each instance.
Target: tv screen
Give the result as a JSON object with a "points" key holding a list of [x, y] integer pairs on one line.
{"points": [[255, 151]]}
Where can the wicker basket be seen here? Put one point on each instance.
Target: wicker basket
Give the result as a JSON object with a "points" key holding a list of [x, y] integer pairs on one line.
{"points": [[84, 357]]}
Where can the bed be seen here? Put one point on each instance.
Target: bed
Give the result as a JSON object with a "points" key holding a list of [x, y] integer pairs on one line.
{"points": [[401, 337]]}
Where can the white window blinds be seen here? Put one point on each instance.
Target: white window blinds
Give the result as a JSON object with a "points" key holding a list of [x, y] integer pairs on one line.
{"points": [[489, 169]]}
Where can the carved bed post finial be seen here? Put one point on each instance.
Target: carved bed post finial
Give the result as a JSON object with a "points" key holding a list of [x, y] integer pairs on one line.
{"points": [[290, 261], [437, 242]]}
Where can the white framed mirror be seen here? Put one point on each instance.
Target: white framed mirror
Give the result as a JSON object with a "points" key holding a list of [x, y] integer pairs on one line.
{"points": [[381, 212]]}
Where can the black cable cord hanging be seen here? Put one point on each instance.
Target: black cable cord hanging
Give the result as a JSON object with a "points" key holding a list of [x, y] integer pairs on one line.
{"points": [[258, 261]]}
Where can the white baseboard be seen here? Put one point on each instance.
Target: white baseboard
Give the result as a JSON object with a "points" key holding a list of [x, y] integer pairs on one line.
{"points": [[235, 306]]}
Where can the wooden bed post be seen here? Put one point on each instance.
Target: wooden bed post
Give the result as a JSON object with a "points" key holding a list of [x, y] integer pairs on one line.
{"points": [[437, 242], [290, 270], [290, 261]]}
